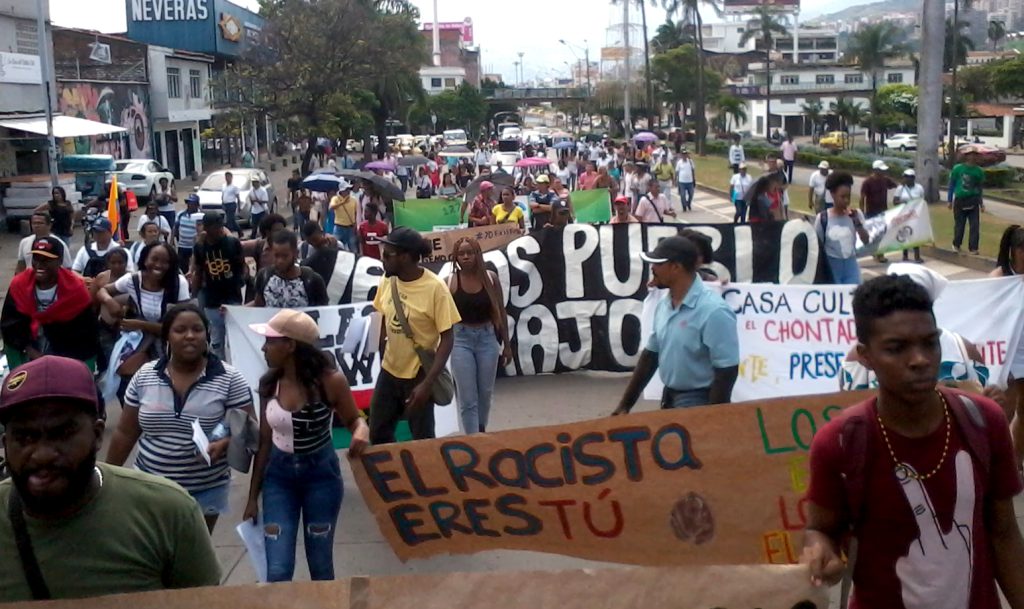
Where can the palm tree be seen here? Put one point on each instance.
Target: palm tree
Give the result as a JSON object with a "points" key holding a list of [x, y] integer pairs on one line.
{"points": [[732, 109], [957, 53], [766, 23], [670, 35], [690, 13], [849, 114], [649, 89], [812, 113], [996, 32], [872, 46]]}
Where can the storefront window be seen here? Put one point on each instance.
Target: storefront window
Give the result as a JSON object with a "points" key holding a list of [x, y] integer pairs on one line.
{"points": [[173, 83]]}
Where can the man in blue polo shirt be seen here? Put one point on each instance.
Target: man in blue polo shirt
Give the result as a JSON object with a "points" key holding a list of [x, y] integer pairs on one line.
{"points": [[694, 344]]}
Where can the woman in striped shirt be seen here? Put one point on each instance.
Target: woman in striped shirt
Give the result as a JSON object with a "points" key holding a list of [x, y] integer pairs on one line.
{"points": [[296, 467], [167, 397]]}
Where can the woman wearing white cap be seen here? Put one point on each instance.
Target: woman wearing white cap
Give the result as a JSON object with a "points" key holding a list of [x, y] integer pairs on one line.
{"points": [[296, 468], [910, 191]]}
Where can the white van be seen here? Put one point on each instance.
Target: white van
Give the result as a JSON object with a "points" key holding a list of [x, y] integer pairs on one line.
{"points": [[455, 137]]}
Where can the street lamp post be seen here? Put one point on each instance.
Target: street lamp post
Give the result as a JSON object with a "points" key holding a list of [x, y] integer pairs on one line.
{"points": [[586, 53], [44, 62], [522, 71]]}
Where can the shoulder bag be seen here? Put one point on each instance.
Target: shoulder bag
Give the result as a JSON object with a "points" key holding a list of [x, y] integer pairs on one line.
{"points": [[29, 563], [443, 390]]}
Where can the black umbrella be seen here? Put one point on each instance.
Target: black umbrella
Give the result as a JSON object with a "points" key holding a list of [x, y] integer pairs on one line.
{"points": [[355, 173], [384, 187], [457, 149], [498, 179], [412, 161]]}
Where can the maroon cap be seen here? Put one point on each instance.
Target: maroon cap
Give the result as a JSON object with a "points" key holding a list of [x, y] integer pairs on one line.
{"points": [[49, 377]]}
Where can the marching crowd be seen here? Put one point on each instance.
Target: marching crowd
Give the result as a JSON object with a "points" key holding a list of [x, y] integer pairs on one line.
{"points": [[151, 317]]}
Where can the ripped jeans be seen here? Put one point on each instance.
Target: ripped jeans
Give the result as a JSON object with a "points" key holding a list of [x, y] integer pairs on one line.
{"points": [[309, 485]]}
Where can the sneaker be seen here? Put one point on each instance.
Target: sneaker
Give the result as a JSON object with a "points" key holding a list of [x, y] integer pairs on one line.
{"points": [[957, 249], [919, 260], [975, 253]]}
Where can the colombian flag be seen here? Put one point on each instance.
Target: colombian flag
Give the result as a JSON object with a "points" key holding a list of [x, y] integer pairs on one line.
{"points": [[114, 210]]}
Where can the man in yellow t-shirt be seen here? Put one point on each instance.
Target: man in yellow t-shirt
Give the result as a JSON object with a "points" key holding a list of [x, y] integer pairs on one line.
{"points": [[404, 386], [346, 216]]}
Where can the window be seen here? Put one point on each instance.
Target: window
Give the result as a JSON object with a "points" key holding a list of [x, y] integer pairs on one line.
{"points": [[449, 82], [895, 77], [435, 83], [787, 100], [173, 83], [825, 79], [195, 84], [854, 79], [789, 79]]}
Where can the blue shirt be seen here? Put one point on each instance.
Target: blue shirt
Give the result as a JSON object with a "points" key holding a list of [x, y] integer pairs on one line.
{"points": [[187, 228], [694, 339]]}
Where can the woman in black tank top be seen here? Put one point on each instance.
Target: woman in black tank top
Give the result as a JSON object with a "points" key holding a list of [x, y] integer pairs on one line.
{"points": [[477, 352]]}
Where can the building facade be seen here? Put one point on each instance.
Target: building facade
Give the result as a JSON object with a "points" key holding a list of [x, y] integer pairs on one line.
{"points": [[180, 82], [457, 50], [811, 44]]}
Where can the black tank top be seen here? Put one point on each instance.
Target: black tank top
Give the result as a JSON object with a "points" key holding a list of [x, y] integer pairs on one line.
{"points": [[473, 308]]}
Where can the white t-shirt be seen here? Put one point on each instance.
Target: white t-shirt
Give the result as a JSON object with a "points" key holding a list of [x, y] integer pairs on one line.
{"points": [[684, 171], [907, 194], [258, 199], [25, 251], [789, 150], [229, 194], [736, 154], [841, 237], [740, 184], [653, 208], [564, 175], [151, 302], [82, 257], [817, 183], [45, 298], [161, 223]]}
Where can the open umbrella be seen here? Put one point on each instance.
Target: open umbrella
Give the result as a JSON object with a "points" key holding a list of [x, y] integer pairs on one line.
{"points": [[322, 182], [355, 173], [385, 187], [564, 145], [533, 161], [645, 136], [382, 165], [498, 179], [412, 161], [560, 134]]}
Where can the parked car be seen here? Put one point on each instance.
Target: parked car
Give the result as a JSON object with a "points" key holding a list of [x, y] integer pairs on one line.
{"points": [[140, 176], [209, 191], [834, 140], [455, 137], [901, 141]]}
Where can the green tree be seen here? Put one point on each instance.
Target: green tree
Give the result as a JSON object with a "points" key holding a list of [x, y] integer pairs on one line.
{"points": [[872, 46], [850, 114], [766, 23], [1008, 78], [674, 72], [962, 46], [813, 113], [670, 35], [609, 100], [996, 32], [976, 83], [690, 12], [732, 109]]}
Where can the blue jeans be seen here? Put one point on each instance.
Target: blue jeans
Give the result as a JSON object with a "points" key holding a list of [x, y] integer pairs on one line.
{"points": [[231, 217], [845, 271], [217, 330], [212, 501], [741, 211], [328, 220], [686, 194], [307, 485], [474, 366], [254, 222], [686, 398], [346, 235]]}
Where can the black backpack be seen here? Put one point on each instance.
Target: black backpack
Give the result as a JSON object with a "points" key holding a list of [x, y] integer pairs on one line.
{"points": [[96, 263]]}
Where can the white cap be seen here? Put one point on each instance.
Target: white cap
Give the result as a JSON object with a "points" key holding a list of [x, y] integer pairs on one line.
{"points": [[880, 165], [823, 165], [344, 184], [743, 166], [910, 173]]}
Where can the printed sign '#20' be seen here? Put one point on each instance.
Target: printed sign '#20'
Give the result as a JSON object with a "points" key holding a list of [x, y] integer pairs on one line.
{"points": [[169, 10]]}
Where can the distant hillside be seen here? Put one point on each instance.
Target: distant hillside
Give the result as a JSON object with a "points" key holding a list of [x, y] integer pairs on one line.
{"points": [[872, 9]]}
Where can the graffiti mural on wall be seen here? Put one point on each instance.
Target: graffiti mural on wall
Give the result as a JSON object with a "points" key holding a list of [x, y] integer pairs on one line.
{"points": [[122, 105]]}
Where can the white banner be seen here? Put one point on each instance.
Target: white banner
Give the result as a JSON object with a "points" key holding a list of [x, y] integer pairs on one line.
{"points": [[902, 227], [344, 333], [794, 338]]}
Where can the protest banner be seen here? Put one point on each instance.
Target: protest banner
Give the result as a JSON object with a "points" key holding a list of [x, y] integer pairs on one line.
{"points": [[793, 339], [491, 237], [424, 214], [696, 486], [592, 206], [345, 331], [763, 586], [902, 227]]}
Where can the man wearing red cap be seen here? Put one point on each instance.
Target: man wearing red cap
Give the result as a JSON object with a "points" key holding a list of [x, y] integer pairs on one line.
{"points": [[72, 528], [48, 310]]}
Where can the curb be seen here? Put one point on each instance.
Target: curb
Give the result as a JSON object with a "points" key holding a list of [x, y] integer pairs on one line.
{"points": [[982, 264]]}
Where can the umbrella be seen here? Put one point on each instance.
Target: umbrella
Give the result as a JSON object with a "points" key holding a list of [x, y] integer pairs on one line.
{"points": [[564, 145], [498, 179], [645, 136], [533, 161], [412, 161], [385, 187], [355, 173], [322, 182], [560, 134], [325, 170], [383, 165]]}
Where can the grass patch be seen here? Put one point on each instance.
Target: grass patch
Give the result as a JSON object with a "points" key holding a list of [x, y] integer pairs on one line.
{"points": [[1010, 194], [712, 171]]}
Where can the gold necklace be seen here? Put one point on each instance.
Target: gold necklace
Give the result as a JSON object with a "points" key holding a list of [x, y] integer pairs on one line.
{"points": [[902, 468]]}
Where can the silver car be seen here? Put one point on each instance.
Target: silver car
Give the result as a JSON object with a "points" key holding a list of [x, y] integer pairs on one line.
{"points": [[210, 191]]}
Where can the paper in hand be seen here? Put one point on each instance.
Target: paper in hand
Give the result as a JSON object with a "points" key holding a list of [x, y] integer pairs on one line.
{"points": [[255, 546], [201, 441]]}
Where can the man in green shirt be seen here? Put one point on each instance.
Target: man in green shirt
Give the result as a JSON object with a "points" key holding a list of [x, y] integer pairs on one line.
{"points": [[967, 180], [91, 529]]}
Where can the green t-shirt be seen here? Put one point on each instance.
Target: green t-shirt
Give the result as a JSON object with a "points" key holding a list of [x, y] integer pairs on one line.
{"points": [[968, 179], [139, 533]]}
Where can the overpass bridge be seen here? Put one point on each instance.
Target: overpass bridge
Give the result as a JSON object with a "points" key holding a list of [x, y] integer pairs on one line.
{"points": [[538, 95]]}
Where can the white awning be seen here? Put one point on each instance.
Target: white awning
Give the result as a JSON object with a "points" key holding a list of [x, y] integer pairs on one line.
{"points": [[63, 126]]}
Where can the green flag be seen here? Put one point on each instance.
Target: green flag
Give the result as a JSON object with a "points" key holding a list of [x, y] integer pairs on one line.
{"points": [[592, 206], [424, 214]]}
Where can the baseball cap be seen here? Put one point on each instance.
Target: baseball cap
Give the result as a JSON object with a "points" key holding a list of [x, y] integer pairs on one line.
{"points": [[292, 324], [344, 184], [560, 207], [101, 224], [910, 173], [672, 249], [880, 165], [823, 165], [48, 247], [405, 239], [193, 198], [486, 185], [213, 218], [743, 166], [49, 377], [543, 179], [622, 199]]}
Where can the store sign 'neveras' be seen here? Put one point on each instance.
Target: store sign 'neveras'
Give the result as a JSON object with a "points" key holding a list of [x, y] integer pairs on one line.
{"points": [[169, 10]]}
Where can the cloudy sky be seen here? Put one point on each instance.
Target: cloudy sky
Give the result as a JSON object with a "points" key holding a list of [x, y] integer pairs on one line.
{"points": [[532, 27]]}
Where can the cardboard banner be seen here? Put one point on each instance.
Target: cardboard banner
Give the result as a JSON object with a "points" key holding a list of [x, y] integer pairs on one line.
{"points": [[900, 228], [345, 336], [592, 206], [767, 587], [424, 214], [490, 238], [793, 339], [669, 487]]}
